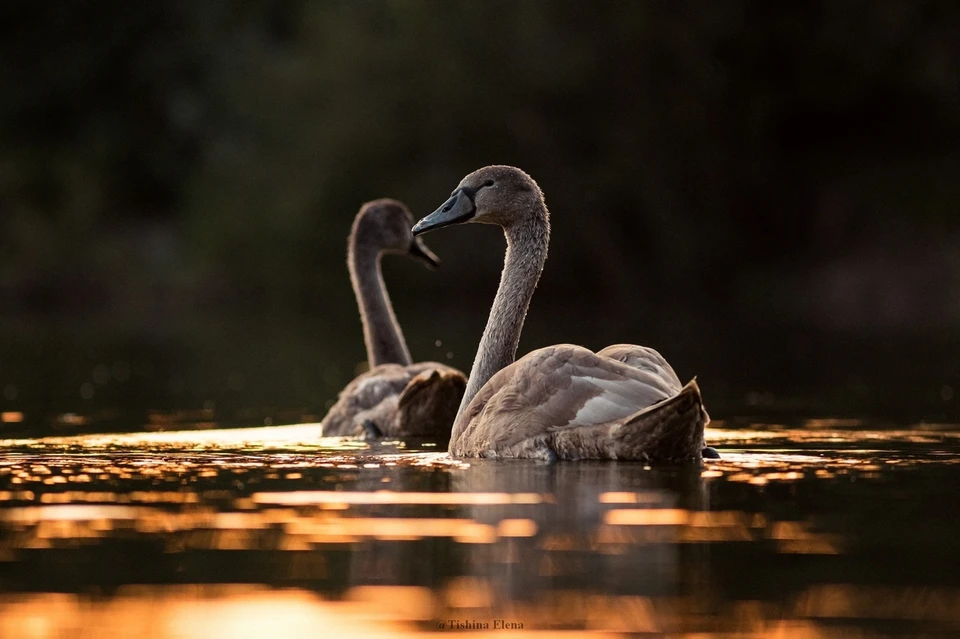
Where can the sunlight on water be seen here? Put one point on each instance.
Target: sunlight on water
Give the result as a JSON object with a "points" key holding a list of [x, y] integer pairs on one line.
{"points": [[275, 531], [243, 612], [297, 437]]}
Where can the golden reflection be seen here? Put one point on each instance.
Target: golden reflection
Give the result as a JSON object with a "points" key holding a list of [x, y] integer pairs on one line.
{"points": [[205, 490], [517, 528], [296, 437], [36, 514], [468, 592], [630, 498], [647, 517], [396, 548], [199, 612], [828, 432], [622, 614], [304, 498], [394, 603], [280, 528], [796, 538], [239, 612], [847, 601]]}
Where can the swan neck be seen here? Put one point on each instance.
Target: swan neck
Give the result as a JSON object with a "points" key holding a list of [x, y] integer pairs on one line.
{"points": [[381, 332], [526, 253]]}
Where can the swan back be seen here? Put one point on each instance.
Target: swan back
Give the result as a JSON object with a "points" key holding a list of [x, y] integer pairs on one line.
{"points": [[646, 359], [554, 389], [417, 400]]}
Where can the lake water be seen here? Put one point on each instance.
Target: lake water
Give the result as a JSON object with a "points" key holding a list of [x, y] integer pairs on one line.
{"points": [[825, 528]]}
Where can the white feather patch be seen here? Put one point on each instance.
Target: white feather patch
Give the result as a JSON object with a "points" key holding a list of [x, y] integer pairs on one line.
{"points": [[600, 409], [617, 399]]}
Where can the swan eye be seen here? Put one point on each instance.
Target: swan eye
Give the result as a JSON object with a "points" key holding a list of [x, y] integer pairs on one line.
{"points": [[488, 183]]}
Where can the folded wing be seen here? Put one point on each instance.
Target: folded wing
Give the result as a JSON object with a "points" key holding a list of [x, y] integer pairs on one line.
{"points": [[416, 400], [560, 389]]}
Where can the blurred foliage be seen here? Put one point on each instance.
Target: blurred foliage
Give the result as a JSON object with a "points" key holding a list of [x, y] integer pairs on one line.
{"points": [[770, 162], [227, 144]]}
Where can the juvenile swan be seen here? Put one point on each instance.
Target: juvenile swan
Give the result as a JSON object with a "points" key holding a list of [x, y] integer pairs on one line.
{"points": [[564, 401], [395, 398]]}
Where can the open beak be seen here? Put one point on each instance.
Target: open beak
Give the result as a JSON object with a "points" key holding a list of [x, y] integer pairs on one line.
{"points": [[459, 208], [420, 251]]}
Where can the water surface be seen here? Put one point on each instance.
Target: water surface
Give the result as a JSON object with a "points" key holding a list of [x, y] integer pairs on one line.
{"points": [[828, 528]]}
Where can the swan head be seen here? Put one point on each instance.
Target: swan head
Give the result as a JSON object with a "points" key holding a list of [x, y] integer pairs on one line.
{"points": [[502, 195], [385, 226]]}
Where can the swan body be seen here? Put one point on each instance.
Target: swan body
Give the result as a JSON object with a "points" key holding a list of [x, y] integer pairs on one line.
{"points": [[395, 398], [564, 401]]}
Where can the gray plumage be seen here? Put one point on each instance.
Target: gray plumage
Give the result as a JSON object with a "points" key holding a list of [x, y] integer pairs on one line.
{"points": [[394, 398], [417, 400], [559, 402], [379, 228]]}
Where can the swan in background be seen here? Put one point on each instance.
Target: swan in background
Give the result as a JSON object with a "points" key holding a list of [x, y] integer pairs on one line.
{"points": [[395, 398], [564, 401]]}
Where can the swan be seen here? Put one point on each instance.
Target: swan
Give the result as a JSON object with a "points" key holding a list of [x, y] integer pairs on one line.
{"points": [[395, 398], [565, 401]]}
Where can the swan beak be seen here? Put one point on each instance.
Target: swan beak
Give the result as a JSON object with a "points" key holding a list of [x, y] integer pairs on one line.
{"points": [[459, 208], [420, 251]]}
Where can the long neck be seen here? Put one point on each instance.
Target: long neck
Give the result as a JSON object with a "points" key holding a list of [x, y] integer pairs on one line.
{"points": [[527, 243], [381, 332]]}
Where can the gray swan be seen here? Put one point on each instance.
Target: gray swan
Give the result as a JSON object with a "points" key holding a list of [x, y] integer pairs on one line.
{"points": [[395, 398], [561, 402]]}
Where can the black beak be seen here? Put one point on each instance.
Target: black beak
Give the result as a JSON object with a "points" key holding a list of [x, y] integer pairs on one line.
{"points": [[420, 251], [459, 208]]}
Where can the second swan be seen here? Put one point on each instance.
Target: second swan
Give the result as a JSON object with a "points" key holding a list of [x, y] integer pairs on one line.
{"points": [[395, 398]]}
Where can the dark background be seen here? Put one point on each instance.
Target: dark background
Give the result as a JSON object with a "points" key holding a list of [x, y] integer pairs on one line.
{"points": [[767, 192]]}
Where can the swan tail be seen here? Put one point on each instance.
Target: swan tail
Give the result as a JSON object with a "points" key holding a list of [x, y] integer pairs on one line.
{"points": [[669, 431], [428, 405]]}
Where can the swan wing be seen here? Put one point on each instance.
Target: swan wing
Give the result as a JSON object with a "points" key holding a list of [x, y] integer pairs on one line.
{"points": [[670, 431], [644, 358], [560, 388], [576, 387]]}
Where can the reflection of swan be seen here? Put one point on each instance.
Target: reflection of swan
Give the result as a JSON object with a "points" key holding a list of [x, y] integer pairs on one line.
{"points": [[574, 547], [395, 397], [577, 494], [547, 539], [564, 401]]}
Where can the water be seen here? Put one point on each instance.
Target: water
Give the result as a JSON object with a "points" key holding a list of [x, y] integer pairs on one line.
{"points": [[829, 528]]}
